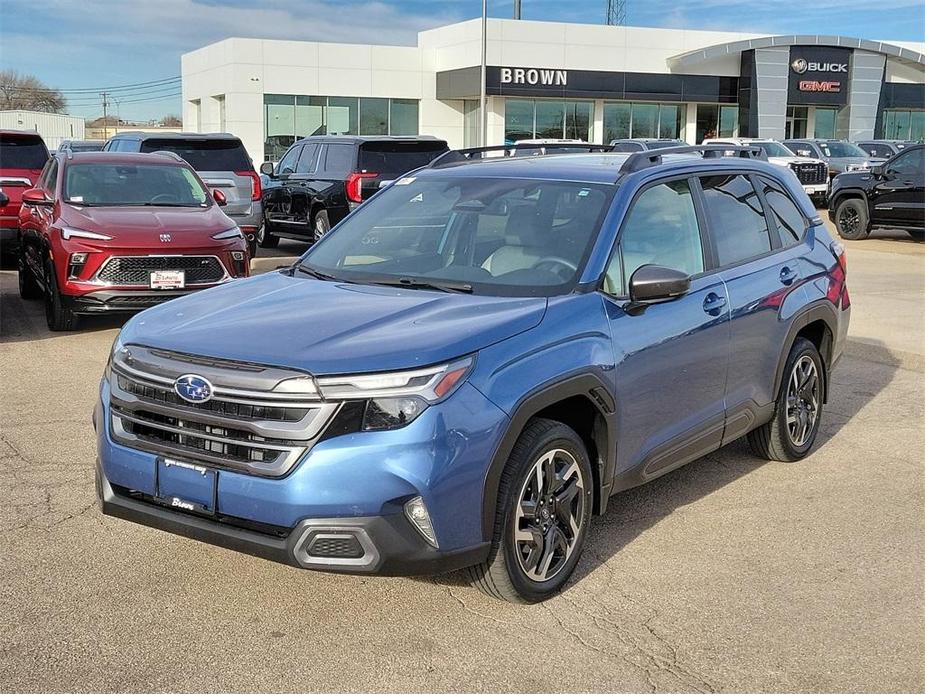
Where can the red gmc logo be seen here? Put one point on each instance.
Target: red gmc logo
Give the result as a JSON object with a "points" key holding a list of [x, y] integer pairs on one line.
{"points": [[815, 86]]}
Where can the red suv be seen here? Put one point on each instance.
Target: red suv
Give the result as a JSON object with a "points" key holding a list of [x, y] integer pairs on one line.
{"points": [[22, 157], [104, 232]]}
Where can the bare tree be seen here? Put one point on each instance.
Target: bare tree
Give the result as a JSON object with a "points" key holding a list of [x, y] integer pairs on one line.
{"points": [[26, 92], [170, 121]]}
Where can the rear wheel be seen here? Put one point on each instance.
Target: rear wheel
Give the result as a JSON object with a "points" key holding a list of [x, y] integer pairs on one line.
{"points": [[320, 225], [28, 287], [790, 435], [58, 316], [917, 234], [544, 509], [851, 219], [252, 248], [265, 238]]}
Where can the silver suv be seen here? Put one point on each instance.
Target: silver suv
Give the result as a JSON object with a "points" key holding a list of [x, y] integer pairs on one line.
{"points": [[220, 160]]}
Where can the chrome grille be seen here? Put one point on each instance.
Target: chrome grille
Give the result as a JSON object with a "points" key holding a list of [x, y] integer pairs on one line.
{"points": [[245, 426], [135, 270], [811, 173]]}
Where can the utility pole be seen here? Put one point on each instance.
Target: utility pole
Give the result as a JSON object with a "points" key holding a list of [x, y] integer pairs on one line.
{"points": [[516, 9], [105, 97], [616, 12]]}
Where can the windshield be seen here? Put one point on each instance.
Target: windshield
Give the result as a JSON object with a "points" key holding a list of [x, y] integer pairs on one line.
{"points": [[204, 155], [19, 152], [773, 149], [841, 149], [659, 144], [85, 146], [133, 184], [502, 237]]}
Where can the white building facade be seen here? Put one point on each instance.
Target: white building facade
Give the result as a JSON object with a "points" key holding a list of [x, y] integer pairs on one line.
{"points": [[555, 80], [54, 128]]}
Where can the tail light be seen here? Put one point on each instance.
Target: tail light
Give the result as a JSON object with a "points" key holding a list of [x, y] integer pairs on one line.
{"points": [[256, 188], [838, 287], [355, 185]]}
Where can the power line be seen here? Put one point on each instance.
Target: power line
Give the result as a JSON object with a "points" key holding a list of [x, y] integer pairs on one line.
{"points": [[121, 95], [139, 86]]}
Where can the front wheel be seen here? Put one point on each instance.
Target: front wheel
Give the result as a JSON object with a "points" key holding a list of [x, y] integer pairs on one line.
{"points": [[544, 509], [851, 219], [28, 287], [791, 433], [265, 239], [58, 316]]}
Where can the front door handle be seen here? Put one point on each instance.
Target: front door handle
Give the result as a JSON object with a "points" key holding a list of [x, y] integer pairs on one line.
{"points": [[714, 303], [787, 275]]}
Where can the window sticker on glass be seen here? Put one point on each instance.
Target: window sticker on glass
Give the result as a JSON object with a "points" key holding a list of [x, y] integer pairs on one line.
{"points": [[76, 198], [405, 181], [583, 193]]}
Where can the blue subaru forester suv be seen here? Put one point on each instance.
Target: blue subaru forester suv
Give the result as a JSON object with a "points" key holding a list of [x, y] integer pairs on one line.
{"points": [[476, 360]]}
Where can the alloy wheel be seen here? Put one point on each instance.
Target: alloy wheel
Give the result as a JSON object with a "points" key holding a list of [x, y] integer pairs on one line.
{"points": [[802, 400], [849, 220], [549, 518]]}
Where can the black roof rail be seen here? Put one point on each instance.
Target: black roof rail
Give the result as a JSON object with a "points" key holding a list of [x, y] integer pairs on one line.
{"points": [[457, 156], [638, 161]]}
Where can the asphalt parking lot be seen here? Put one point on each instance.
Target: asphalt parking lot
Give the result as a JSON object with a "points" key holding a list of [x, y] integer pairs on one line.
{"points": [[731, 574]]}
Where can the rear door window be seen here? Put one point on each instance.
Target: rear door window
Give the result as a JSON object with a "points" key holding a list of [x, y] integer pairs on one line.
{"points": [[737, 222], [204, 155], [392, 159], [22, 152], [790, 221], [308, 160]]}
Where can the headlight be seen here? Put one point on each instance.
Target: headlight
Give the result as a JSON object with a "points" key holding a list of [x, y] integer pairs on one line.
{"points": [[379, 402], [68, 234], [232, 233]]}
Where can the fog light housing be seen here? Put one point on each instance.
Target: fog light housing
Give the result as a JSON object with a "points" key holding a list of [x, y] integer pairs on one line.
{"points": [[75, 264], [416, 511], [238, 261]]}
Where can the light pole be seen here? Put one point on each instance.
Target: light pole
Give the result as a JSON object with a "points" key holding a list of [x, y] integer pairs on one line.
{"points": [[483, 113]]}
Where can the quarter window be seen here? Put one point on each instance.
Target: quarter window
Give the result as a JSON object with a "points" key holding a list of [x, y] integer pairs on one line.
{"points": [[287, 164], [660, 229], [790, 221], [737, 221], [339, 159]]}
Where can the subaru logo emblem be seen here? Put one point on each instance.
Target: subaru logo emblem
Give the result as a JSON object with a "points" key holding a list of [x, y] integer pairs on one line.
{"points": [[193, 388], [799, 66], [165, 238]]}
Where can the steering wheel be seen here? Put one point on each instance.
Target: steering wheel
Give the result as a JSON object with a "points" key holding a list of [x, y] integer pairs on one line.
{"points": [[164, 197], [556, 264]]}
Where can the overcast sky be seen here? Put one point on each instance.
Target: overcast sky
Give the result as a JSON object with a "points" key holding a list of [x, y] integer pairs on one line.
{"points": [[88, 44]]}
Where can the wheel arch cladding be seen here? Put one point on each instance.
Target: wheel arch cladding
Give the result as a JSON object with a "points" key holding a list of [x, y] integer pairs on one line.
{"points": [[582, 403], [816, 324], [848, 194]]}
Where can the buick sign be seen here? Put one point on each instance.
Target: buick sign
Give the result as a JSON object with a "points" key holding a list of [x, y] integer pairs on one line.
{"points": [[801, 65], [193, 388]]}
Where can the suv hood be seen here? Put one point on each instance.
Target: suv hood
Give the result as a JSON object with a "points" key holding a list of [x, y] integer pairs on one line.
{"points": [[331, 327], [142, 226], [787, 161], [842, 163]]}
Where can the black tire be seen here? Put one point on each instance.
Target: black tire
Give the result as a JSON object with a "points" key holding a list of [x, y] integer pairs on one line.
{"points": [[917, 234], [321, 225], [58, 316], [29, 288], [265, 238], [252, 248], [503, 575], [852, 219], [776, 440]]}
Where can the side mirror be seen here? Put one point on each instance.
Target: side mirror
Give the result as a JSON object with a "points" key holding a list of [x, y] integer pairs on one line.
{"points": [[35, 196], [267, 168], [652, 283], [219, 197], [4, 199], [878, 171]]}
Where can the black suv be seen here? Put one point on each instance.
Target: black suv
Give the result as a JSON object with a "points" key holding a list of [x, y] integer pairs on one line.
{"points": [[891, 194], [884, 149], [320, 179]]}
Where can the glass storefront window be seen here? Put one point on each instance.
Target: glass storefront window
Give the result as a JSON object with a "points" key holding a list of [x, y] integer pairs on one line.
{"points": [[374, 116], [825, 122], [669, 120], [645, 120], [903, 125], [797, 117], [288, 118], [528, 119], [403, 117], [728, 121], [625, 120], [616, 122], [917, 125]]}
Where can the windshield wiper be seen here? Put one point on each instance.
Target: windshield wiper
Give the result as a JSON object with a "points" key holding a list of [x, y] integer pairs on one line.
{"points": [[317, 274], [416, 283]]}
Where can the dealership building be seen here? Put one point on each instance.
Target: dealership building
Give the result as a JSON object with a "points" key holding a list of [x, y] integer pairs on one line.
{"points": [[557, 80]]}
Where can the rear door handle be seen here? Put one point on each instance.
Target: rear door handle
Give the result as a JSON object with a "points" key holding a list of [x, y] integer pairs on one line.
{"points": [[714, 303], [787, 275]]}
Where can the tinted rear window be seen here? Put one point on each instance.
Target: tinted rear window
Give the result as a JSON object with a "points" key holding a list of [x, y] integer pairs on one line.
{"points": [[204, 155], [18, 152], [396, 158]]}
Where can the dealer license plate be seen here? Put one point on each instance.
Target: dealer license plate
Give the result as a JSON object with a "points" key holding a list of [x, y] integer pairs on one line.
{"points": [[168, 279]]}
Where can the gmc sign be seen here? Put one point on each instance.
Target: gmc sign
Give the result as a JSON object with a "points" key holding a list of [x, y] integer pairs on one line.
{"points": [[818, 74], [814, 86]]}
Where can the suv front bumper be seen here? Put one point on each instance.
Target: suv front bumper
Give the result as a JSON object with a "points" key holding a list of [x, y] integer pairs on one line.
{"points": [[390, 546]]}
